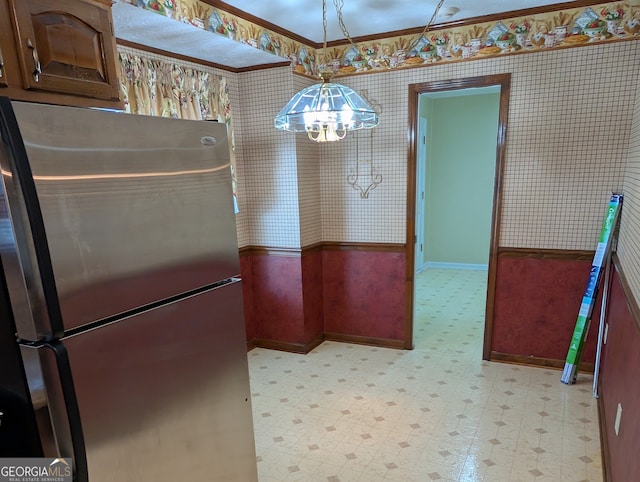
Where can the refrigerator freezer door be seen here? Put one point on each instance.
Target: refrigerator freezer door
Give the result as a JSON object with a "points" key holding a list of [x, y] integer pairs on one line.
{"points": [[136, 209], [26, 264], [164, 395]]}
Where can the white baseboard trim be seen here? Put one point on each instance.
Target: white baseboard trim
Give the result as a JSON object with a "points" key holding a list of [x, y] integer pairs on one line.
{"points": [[441, 265]]}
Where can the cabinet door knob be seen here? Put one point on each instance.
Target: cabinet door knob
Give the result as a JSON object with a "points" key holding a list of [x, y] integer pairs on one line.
{"points": [[36, 60]]}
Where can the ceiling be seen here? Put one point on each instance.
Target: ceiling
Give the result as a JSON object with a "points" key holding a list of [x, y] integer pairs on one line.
{"points": [[301, 17], [368, 17]]}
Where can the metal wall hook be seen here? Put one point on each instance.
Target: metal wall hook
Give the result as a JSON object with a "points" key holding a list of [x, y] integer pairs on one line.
{"points": [[374, 179], [366, 173]]}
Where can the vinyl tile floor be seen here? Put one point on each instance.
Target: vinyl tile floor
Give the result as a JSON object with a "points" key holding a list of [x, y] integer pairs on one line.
{"points": [[347, 412]]}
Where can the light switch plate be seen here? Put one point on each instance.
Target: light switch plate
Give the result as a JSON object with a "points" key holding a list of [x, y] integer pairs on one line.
{"points": [[616, 426]]}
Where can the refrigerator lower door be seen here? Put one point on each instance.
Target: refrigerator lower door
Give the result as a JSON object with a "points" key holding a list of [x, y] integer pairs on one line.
{"points": [[18, 429], [164, 395], [55, 405]]}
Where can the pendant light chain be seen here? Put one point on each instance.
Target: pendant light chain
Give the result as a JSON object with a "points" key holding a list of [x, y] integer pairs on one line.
{"points": [[324, 30], [340, 3], [426, 27], [325, 73]]}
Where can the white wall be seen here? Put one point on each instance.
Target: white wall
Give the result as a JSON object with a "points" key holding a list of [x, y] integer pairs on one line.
{"points": [[460, 178]]}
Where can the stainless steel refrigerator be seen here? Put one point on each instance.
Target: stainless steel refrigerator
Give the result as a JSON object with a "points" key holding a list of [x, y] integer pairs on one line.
{"points": [[121, 306]]}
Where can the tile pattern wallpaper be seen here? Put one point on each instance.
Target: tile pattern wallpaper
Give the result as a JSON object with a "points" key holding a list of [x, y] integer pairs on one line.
{"points": [[309, 196], [567, 141], [572, 128], [436, 413], [629, 245], [269, 189]]}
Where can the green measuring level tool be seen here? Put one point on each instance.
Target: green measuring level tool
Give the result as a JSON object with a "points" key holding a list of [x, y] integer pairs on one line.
{"points": [[603, 250]]}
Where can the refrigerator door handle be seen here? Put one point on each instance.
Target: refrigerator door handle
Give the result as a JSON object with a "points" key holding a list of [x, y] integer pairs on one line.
{"points": [[62, 406]]}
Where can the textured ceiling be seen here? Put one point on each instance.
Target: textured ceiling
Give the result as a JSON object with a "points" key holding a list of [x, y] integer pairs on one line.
{"points": [[367, 17], [147, 28]]}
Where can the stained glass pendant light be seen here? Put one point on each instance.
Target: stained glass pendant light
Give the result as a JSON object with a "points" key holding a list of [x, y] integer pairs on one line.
{"points": [[326, 111]]}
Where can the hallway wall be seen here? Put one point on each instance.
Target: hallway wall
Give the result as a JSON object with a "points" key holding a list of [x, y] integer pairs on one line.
{"points": [[461, 161], [567, 143]]}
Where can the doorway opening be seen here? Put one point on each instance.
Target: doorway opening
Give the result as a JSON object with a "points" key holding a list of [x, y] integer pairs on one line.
{"points": [[453, 199]]}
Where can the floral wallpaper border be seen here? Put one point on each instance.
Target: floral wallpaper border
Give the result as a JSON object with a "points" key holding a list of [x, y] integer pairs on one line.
{"points": [[605, 22]]}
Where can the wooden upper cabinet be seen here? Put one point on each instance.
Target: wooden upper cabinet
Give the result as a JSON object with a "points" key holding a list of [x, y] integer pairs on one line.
{"points": [[3, 75], [66, 47], [6, 45]]}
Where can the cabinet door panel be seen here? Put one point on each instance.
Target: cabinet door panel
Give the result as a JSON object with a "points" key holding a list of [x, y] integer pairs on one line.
{"points": [[84, 60], [66, 47]]}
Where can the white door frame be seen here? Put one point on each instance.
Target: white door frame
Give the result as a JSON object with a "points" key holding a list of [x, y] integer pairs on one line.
{"points": [[421, 176]]}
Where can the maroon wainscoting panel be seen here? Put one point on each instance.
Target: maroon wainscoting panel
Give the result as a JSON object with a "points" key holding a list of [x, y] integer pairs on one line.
{"points": [[247, 296], [312, 295], [276, 286], [364, 293], [619, 383], [536, 307]]}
